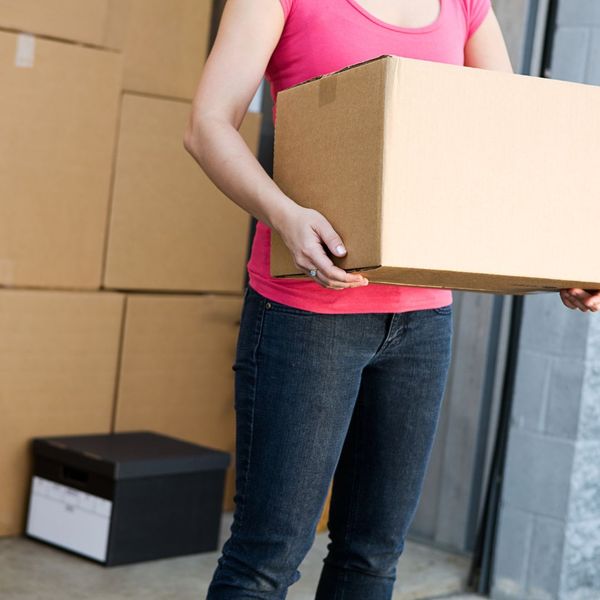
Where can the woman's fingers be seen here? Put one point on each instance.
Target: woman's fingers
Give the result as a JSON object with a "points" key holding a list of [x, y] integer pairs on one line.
{"points": [[329, 284], [331, 275], [330, 237], [326, 281], [591, 298], [326, 234], [305, 234], [335, 275], [581, 299], [565, 300]]}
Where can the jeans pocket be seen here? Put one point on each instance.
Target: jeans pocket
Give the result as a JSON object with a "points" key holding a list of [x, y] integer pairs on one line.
{"points": [[443, 310], [278, 307]]}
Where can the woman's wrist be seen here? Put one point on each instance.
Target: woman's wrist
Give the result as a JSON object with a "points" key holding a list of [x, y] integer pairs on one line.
{"points": [[281, 213]]}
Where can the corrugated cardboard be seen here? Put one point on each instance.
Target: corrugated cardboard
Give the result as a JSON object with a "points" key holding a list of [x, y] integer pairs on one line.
{"points": [[176, 372], [85, 21], [58, 360], [58, 118], [164, 42], [171, 228], [447, 176]]}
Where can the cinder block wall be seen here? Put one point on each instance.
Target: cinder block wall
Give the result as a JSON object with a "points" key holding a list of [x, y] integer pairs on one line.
{"points": [[548, 546], [576, 54]]}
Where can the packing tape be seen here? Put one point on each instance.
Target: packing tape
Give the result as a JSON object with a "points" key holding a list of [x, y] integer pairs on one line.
{"points": [[25, 52], [7, 271], [327, 90]]}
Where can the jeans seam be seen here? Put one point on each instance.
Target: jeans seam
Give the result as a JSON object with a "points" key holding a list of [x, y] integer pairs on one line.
{"points": [[391, 335], [353, 510], [258, 336]]}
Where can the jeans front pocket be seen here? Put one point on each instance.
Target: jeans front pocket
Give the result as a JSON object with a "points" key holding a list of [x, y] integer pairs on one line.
{"points": [[443, 310]]}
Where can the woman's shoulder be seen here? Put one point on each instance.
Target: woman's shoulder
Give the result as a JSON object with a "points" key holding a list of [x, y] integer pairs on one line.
{"points": [[287, 7], [474, 8], [292, 7], [475, 11]]}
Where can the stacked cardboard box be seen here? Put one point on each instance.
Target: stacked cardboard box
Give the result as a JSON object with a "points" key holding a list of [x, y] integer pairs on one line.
{"points": [[170, 228], [163, 42], [58, 117], [58, 365], [172, 231], [176, 368], [69, 68]]}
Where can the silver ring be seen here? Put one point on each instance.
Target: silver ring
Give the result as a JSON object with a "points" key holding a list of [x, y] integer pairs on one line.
{"points": [[313, 272]]}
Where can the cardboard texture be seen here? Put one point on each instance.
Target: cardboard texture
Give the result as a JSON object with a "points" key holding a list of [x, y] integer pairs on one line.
{"points": [[170, 227], [58, 117], [176, 373], [164, 42], [58, 361], [439, 175], [84, 21]]}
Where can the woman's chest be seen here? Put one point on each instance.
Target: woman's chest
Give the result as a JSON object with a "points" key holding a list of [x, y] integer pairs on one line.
{"points": [[322, 36], [402, 13]]}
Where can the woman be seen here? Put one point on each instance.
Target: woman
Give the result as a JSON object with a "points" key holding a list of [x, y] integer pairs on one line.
{"points": [[335, 377]]}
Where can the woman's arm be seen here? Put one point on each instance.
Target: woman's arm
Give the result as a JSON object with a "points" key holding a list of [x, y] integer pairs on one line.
{"points": [[486, 48], [248, 34]]}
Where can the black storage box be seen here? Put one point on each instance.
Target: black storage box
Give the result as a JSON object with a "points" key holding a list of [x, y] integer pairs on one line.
{"points": [[126, 497]]}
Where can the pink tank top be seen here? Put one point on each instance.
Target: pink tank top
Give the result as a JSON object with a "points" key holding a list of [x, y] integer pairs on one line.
{"points": [[322, 36]]}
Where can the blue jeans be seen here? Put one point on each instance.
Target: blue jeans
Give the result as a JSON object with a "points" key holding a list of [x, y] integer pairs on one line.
{"points": [[355, 397]]}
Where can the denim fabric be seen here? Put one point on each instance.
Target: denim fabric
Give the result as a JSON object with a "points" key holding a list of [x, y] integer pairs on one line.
{"points": [[356, 397]]}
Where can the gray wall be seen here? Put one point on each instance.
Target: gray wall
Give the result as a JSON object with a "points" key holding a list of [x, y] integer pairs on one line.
{"points": [[576, 55]]}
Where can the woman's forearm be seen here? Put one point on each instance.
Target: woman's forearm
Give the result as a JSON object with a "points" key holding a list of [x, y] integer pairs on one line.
{"points": [[225, 157]]}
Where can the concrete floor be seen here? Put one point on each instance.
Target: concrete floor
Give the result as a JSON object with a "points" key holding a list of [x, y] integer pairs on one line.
{"points": [[31, 570]]}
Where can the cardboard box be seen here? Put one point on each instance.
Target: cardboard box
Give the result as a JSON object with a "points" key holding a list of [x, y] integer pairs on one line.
{"points": [[85, 21], [58, 361], [439, 175], [170, 227], [165, 44], [176, 372], [58, 117]]}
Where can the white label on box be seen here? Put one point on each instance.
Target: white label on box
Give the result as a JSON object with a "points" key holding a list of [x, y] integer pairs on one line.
{"points": [[69, 518], [25, 54]]}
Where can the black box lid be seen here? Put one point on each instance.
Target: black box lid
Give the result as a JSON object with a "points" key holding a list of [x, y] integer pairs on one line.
{"points": [[130, 454]]}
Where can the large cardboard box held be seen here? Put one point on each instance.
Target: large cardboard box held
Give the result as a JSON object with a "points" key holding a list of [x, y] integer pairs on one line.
{"points": [[85, 21], [439, 175], [176, 372], [58, 362], [170, 227], [58, 118]]}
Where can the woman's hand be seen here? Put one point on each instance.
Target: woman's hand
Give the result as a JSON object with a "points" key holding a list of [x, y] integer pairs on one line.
{"points": [[304, 231], [583, 300]]}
